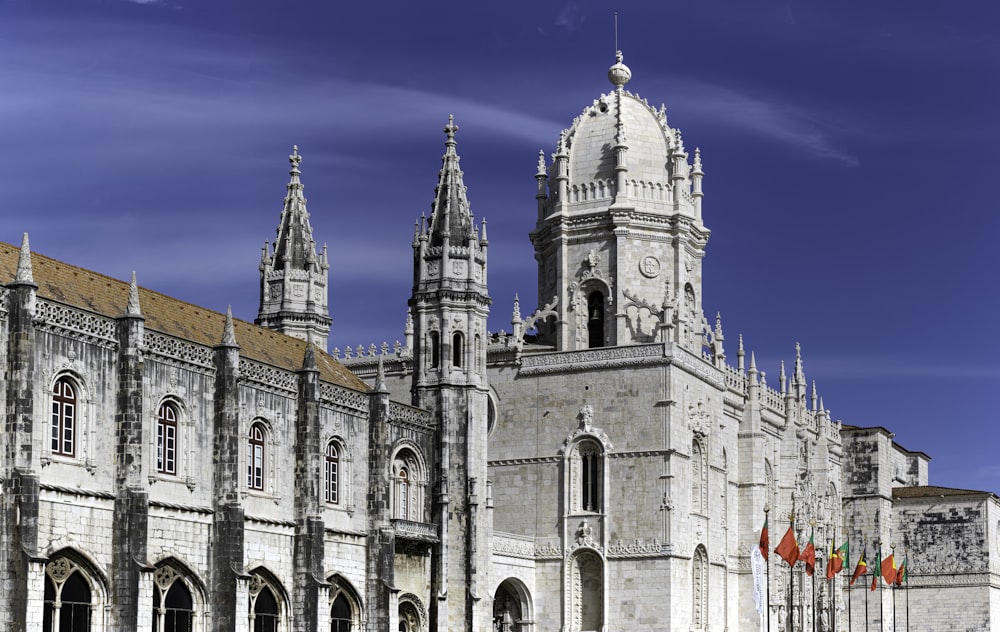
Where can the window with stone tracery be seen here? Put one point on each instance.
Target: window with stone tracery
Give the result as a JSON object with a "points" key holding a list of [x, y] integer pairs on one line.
{"points": [[331, 474], [255, 457], [407, 484], [587, 477], [173, 603], [345, 612], [265, 609], [68, 598]]}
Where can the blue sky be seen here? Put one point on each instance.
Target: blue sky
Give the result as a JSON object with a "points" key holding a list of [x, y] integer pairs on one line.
{"points": [[850, 149]]}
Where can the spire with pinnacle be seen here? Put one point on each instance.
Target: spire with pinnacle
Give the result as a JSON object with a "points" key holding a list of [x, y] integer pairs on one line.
{"points": [[228, 331], [132, 308], [450, 215], [24, 274], [293, 277]]}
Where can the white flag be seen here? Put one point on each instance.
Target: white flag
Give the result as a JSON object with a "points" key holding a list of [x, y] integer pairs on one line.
{"points": [[759, 577]]}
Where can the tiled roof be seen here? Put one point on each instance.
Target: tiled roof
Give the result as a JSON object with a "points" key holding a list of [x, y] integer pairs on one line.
{"points": [[95, 292], [930, 491]]}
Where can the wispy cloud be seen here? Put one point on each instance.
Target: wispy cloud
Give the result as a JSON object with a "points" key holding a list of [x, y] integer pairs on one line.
{"points": [[570, 18], [809, 132]]}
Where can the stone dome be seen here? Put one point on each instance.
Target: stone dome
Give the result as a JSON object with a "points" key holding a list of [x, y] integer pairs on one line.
{"points": [[591, 140]]}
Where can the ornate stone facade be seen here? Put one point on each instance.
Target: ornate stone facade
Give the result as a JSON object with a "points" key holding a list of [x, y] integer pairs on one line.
{"points": [[603, 467]]}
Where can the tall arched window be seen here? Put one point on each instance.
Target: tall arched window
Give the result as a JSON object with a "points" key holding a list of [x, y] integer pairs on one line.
{"points": [[255, 457], [403, 493], [595, 319], [345, 609], [63, 429], [699, 589], [173, 605], [435, 349], [264, 611], [67, 598], [457, 349], [586, 465], [331, 478], [166, 439]]}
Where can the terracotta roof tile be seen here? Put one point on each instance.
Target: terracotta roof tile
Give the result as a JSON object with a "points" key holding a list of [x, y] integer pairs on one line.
{"points": [[930, 491], [103, 295]]}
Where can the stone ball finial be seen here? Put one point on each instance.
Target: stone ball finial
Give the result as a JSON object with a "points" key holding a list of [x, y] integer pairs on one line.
{"points": [[619, 74]]}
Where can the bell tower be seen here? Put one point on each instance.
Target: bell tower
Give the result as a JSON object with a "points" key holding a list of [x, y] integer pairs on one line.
{"points": [[449, 307], [293, 277], [619, 237]]}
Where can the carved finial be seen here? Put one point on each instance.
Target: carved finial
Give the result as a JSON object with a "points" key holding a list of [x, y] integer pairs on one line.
{"points": [[24, 274], [408, 328], [586, 417], [450, 129], [822, 408], [814, 395], [781, 377], [295, 159], [697, 159], [753, 363], [482, 236], [132, 309], [542, 171], [228, 332], [740, 354], [718, 324], [309, 357], [517, 308], [561, 146], [619, 74]]}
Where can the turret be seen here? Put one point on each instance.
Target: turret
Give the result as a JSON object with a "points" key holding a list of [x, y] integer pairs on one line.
{"points": [[293, 277]]}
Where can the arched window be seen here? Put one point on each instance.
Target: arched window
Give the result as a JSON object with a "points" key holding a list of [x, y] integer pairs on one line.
{"points": [[173, 604], [64, 406], [407, 482], [331, 478], [409, 617], [67, 598], [457, 349], [340, 615], [587, 591], [435, 349], [595, 319], [403, 493], [587, 475], [699, 589], [166, 439], [264, 610], [255, 457], [345, 611]]}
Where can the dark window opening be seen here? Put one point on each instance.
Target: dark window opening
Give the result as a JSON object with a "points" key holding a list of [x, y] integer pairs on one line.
{"points": [[595, 320]]}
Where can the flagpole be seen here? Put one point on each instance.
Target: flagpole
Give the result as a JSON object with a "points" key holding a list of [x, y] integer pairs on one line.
{"points": [[866, 595], [892, 549], [791, 581], [767, 589], [833, 582], [906, 589], [881, 602], [812, 536]]}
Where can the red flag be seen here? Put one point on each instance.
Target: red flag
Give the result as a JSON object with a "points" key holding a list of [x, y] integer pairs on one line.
{"points": [[901, 573], [830, 573], [874, 581], [859, 570], [788, 548], [889, 569], [808, 556], [764, 540]]}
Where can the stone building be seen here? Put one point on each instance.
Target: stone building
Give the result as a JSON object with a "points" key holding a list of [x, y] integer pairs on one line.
{"points": [[604, 466]]}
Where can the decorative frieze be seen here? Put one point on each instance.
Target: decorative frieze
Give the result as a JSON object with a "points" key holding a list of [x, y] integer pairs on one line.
{"points": [[340, 396], [591, 359], [513, 546], [177, 349], [639, 547], [51, 316]]}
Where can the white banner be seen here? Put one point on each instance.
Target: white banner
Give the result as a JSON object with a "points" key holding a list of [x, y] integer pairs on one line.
{"points": [[759, 570]]}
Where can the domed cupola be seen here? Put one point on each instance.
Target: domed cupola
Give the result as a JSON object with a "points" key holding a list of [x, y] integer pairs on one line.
{"points": [[619, 233]]}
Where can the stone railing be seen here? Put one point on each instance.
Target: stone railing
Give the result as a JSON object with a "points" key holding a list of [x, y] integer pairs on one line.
{"points": [[410, 530]]}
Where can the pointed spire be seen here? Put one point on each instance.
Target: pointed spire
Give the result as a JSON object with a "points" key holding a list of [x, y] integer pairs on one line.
{"points": [[814, 395], [697, 159], [822, 408], [753, 364], [132, 308], [482, 237], [450, 215], [380, 376], [309, 357], [228, 331], [740, 354], [24, 274], [542, 170], [782, 377], [294, 245], [799, 377]]}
